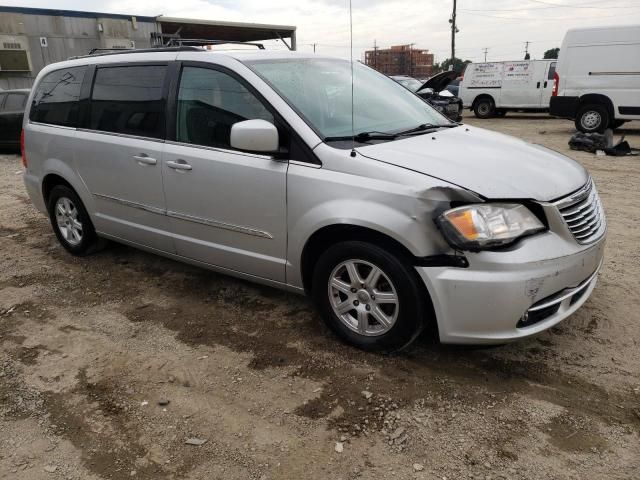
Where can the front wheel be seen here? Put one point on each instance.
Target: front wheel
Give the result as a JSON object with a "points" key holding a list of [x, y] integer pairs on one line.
{"points": [[370, 298]]}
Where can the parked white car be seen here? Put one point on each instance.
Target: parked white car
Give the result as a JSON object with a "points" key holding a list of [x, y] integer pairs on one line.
{"points": [[493, 88], [245, 163], [598, 77]]}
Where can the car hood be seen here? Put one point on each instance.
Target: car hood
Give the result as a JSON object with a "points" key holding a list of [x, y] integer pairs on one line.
{"points": [[440, 81], [491, 164]]}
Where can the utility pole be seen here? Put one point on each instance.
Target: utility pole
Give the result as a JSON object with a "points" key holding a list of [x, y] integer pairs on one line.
{"points": [[485, 54], [411, 58], [375, 54], [454, 30], [526, 50], [314, 47]]}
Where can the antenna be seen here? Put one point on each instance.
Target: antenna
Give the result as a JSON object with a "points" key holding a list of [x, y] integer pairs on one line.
{"points": [[353, 130]]}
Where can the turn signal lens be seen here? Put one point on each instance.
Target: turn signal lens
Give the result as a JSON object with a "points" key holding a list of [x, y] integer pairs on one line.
{"points": [[487, 225], [463, 222]]}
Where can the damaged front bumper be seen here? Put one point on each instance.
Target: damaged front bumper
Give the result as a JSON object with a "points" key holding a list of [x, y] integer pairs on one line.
{"points": [[504, 296]]}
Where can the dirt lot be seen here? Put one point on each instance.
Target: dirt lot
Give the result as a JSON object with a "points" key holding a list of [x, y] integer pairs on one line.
{"points": [[90, 348]]}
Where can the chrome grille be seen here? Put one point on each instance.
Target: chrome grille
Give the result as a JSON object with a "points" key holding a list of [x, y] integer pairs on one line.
{"points": [[583, 213]]}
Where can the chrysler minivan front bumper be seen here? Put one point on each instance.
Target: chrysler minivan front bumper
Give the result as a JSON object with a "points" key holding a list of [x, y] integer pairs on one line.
{"points": [[505, 296]]}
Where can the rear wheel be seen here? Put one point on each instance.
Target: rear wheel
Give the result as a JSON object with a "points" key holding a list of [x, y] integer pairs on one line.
{"points": [[484, 108], [71, 222], [592, 118], [369, 297]]}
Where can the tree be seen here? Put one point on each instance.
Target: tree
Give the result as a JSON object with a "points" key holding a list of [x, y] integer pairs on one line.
{"points": [[458, 65], [552, 53]]}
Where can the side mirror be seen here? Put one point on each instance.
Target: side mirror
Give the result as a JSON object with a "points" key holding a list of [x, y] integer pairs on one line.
{"points": [[254, 136], [428, 91]]}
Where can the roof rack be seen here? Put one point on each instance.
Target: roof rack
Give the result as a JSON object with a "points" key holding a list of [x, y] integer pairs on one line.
{"points": [[202, 42]]}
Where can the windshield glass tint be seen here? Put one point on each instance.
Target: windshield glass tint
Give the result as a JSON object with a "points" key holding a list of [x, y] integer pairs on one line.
{"points": [[320, 90]]}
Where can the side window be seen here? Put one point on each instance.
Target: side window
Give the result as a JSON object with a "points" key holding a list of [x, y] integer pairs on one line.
{"points": [[129, 100], [209, 103], [56, 97], [15, 101], [552, 70]]}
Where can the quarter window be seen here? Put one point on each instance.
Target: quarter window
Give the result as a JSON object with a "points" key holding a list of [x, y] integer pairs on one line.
{"points": [[129, 100], [552, 70], [56, 97], [209, 103]]}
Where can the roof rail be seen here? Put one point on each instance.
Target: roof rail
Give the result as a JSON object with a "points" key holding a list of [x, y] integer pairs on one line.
{"points": [[203, 42], [100, 52]]}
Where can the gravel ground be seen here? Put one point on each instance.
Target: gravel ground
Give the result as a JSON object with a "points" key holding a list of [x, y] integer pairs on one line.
{"points": [[109, 364]]}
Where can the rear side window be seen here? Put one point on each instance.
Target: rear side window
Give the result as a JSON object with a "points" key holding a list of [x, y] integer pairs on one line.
{"points": [[15, 101], [56, 98], [209, 103], [552, 70], [129, 100]]}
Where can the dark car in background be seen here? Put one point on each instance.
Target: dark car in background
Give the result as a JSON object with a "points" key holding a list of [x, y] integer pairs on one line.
{"points": [[454, 86], [435, 93], [12, 106]]}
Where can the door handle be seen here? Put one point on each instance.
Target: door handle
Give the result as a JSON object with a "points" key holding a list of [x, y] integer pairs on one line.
{"points": [[545, 84], [144, 159], [538, 85], [179, 165]]}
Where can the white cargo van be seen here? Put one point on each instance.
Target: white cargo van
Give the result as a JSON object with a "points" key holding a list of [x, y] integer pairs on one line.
{"points": [[598, 77], [493, 88]]}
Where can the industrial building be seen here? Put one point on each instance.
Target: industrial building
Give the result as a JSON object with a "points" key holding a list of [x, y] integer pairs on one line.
{"points": [[31, 38], [401, 60]]}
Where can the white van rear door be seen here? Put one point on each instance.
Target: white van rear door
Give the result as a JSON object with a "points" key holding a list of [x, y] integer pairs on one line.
{"points": [[546, 84]]}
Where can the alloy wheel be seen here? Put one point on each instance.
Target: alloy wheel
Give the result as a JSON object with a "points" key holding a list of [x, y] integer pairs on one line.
{"points": [[363, 297], [67, 220]]}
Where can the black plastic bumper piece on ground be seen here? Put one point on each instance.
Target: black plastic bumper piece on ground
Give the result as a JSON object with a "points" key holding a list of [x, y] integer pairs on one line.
{"points": [[564, 107]]}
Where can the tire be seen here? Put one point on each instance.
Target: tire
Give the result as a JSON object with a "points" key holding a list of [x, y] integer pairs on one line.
{"points": [[334, 287], [500, 112], [616, 123], [71, 222], [592, 118], [484, 108]]}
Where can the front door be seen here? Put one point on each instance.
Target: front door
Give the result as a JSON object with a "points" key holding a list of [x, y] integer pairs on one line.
{"points": [[226, 207], [119, 153]]}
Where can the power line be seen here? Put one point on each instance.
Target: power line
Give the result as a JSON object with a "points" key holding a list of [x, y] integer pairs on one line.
{"points": [[546, 19], [582, 5]]}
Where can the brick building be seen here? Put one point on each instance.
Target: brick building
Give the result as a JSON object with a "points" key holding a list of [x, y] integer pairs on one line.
{"points": [[401, 60]]}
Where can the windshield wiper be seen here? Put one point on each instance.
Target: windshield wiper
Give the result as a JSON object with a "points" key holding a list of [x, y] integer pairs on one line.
{"points": [[375, 135], [364, 136], [426, 127]]}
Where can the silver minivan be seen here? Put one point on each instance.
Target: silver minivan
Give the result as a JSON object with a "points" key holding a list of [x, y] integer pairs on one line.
{"points": [[256, 165]]}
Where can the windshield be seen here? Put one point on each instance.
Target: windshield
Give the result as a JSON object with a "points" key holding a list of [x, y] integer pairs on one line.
{"points": [[320, 91], [410, 83]]}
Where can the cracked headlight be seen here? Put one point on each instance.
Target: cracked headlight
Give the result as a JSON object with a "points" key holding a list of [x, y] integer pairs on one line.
{"points": [[487, 225]]}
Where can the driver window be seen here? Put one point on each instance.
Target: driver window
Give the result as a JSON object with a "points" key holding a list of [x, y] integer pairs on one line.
{"points": [[209, 103]]}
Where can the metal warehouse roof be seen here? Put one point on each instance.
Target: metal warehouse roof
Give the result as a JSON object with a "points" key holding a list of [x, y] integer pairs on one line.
{"points": [[237, 31]]}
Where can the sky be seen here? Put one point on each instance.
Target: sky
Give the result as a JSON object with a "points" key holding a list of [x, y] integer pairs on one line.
{"points": [[500, 26]]}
